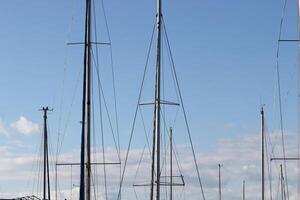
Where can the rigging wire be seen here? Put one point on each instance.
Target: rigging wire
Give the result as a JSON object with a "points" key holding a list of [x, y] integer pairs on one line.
{"points": [[268, 164], [174, 149], [136, 113], [95, 180], [145, 131], [101, 93], [112, 71], [63, 85], [280, 98], [39, 165], [69, 114], [100, 104], [183, 110], [113, 84]]}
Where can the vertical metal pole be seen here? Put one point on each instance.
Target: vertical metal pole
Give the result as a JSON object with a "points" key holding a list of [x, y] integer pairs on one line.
{"points": [[48, 176], [85, 170], [262, 155], [158, 77], [88, 105], [156, 130], [56, 180], [171, 164], [298, 99], [220, 186], [46, 181], [45, 152], [243, 189], [281, 183]]}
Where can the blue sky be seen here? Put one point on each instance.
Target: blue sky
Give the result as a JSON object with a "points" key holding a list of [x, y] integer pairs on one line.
{"points": [[225, 54]]}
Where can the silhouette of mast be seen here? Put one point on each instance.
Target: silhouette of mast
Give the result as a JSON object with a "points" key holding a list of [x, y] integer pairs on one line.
{"points": [[156, 129], [46, 179], [262, 154], [85, 166]]}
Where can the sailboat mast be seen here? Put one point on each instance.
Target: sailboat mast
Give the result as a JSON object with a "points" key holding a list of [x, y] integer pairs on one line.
{"points": [[46, 181], [171, 164], [220, 186], [85, 167], [298, 24], [156, 130], [281, 183], [262, 154], [244, 195]]}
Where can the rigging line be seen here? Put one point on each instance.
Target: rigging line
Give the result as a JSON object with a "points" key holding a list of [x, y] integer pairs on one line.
{"points": [[139, 164], [145, 131], [281, 127], [174, 148], [279, 95], [183, 109], [268, 166], [146, 135], [69, 112], [93, 181], [101, 89], [167, 131], [135, 194], [181, 193], [101, 93], [103, 143], [63, 83], [136, 111], [101, 121], [100, 105], [38, 165], [174, 82], [52, 155], [112, 71], [94, 142], [71, 185], [163, 110], [278, 189], [39, 186]]}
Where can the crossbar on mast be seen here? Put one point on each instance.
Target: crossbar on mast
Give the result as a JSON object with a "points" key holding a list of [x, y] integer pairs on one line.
{"points": [[287, 159]]}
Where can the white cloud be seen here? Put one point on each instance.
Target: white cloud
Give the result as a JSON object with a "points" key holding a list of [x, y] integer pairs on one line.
{"points": [[239, 156], [24, 126]]}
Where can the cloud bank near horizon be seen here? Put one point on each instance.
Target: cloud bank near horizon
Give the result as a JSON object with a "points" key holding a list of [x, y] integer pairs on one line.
{"points": [[239, 157]]}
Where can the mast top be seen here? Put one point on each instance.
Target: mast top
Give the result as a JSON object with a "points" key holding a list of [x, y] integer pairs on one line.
{"points": [[262, 109]]}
